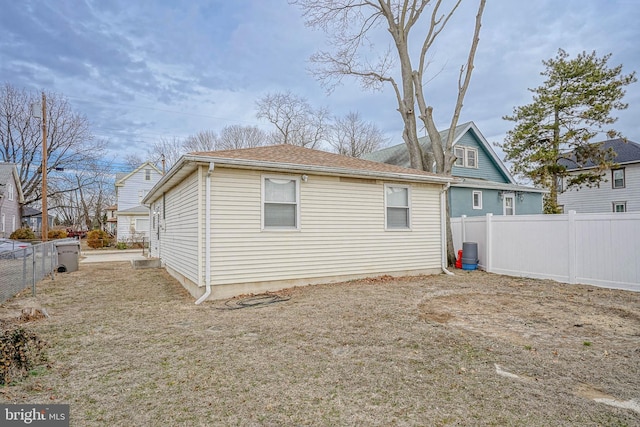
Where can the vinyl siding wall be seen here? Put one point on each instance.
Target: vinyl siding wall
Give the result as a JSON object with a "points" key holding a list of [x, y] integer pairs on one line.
{"points": [[487, 169], [10, 210], [461, 203], [179, 237], [129, 192], [600, 199], [342, 231]]}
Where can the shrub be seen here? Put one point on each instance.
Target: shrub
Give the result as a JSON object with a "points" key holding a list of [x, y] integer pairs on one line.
{"points": [[20, 351], [57, 234], [97, 239], [24, 233], [121, 245]]}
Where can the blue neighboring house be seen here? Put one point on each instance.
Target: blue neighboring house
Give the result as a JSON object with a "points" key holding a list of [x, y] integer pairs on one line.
{"points": [[484, 184]]}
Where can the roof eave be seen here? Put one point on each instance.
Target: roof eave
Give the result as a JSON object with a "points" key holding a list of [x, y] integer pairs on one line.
{"points": [[197, 160]]}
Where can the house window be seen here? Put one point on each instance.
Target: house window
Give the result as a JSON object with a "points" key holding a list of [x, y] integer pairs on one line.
{"points": [[471, 160], [142, 224], [509, 205], [619, 206], [466, 157], [559, 183], [459, 153], [142, 194], [10, 191], [477, 200], [280, 203], [3, 229], [398, 209], [13, 223], [618, 178], [147, 174]]}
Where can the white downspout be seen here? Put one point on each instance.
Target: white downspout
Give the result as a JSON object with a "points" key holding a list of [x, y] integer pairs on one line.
{"points": [[207, 236], [443, 227]]}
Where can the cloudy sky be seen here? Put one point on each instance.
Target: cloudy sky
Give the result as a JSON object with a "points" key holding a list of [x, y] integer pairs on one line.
{"points": [[146, 69]]}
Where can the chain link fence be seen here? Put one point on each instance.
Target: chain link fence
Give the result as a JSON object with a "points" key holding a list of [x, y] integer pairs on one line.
{"points": [[23, 268]]}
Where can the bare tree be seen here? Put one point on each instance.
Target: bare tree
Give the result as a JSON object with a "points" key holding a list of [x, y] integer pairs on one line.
{"points": [[236, 136], [70, 143], [89, 190], [347, 25], [169, 149], [352, 136], [296, 122], [132, 161], [206, 140]]}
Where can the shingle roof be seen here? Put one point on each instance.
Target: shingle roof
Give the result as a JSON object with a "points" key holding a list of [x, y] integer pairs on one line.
{"points": [[627, 152], [295, 155], [399, 155]]}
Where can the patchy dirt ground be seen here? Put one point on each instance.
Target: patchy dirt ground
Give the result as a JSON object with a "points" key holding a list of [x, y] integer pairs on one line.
{"points": [[129, 347]]}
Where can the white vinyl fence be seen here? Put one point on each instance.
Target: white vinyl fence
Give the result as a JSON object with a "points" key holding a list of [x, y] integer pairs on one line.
{"points": [[595, 249]]}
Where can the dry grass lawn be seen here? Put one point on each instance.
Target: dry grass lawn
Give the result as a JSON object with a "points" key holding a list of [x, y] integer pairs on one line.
{"points": [[129, 348]]}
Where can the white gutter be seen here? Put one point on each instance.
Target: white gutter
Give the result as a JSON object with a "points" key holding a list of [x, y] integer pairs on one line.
{"points": [[207, 236], [443, 227]]}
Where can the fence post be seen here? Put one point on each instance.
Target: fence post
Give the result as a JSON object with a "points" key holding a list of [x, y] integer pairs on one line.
{"points": [[571, 218], [33, 270], [463, 226], [487, 246]]}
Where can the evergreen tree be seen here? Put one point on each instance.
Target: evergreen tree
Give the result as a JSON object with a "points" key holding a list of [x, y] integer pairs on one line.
{"points": [[569, 109]]}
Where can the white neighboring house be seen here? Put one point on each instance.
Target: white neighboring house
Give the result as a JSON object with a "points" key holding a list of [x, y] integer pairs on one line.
{"points": [[132, 215], [619, 191]]}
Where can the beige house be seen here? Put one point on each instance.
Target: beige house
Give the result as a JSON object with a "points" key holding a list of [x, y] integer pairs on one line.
{"points": [[252, 220]]}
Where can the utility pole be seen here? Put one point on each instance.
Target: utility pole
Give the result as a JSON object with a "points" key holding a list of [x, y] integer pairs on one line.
{"points": [[45, 214]]}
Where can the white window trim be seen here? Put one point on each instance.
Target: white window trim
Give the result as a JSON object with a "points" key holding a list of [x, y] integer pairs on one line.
{"points": [[473, 199], [408, 187], [613, 179], [465, 156], [619, 204], [135, 224], [13, 223], [506, 196], [467, 150], [459, 158], [263, 201]]}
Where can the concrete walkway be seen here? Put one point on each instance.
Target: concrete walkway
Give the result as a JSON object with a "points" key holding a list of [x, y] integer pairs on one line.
{"points": [[87, 257]]}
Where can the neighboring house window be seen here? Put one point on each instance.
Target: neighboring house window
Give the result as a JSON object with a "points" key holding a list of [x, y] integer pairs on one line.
{"points": [[147, 174], [280, 203], [3, 229], [618, 178], [559, 183], [619, 206], [466, 157], [142, 194], [477, 200], [34, 224], [10, 191], [397, 206], [13, 223], [142, 224], [471, 160], [459, 153], [509, 205]]}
